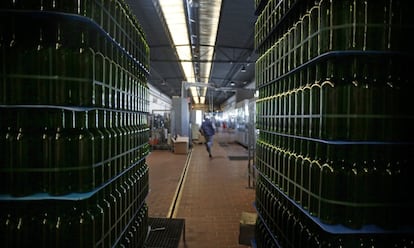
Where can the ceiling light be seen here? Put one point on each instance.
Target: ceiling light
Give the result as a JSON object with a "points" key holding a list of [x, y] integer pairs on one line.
{"points": [[174, 12], [175, 17], [209, 16], [243, 68]]}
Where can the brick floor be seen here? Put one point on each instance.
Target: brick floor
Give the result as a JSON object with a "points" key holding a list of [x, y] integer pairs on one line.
{"points": [[165, 169], [214, 193]]}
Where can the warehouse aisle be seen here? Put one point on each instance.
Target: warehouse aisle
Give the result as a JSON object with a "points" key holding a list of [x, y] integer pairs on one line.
{"points": [[214, 192]]}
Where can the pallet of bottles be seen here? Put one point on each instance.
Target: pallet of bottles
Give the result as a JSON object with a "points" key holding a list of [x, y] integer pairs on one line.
{"points": [[114, 214], [74, 124], [335, 121], [310, 28], [69, 59], [284, 223], [59, 150], [341, 96], [350, 184]]}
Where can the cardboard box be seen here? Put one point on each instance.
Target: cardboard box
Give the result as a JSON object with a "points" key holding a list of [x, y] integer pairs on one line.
{"points": [[180, 145], [247, 228]]}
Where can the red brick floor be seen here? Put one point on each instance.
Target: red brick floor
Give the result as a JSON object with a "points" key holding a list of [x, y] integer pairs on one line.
{"points": [[214, 194], [165, 169]]}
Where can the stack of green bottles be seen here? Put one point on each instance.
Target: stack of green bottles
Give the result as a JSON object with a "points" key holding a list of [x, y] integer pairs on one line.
{"points": [[282, 224], [74, 131], [59, 151], [113, 216], [335, 143]]}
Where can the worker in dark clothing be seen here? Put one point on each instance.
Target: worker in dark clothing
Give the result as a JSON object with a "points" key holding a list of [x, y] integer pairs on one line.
{"points": [[207, 130]]}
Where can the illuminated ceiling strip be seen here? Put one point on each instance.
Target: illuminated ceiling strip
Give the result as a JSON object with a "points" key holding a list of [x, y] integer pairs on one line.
{"points": [[175, 18], [209, 14]]}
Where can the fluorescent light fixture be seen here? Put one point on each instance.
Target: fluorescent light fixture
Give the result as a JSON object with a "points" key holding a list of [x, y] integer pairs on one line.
{"points": [[176, 20], [243, 68], [209, 14], [194, 93]]}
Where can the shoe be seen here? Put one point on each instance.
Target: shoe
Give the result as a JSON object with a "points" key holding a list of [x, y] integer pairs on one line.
{"points": [[209, 155]]}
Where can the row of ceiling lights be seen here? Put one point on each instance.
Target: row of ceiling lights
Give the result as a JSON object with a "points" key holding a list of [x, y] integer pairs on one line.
{"points": [[177, 16]]}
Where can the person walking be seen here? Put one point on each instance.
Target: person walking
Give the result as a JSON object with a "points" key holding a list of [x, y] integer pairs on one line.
{"points": [[207, 130]]}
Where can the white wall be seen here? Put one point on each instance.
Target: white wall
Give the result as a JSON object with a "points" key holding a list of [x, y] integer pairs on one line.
{"points": [[158, 100]]}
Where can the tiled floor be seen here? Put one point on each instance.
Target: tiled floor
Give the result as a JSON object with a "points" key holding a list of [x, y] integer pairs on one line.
{"points": [[214, 194]]}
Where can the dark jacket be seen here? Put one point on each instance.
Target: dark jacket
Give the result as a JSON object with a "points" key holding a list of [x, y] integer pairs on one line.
{"points": [[207, 128]]}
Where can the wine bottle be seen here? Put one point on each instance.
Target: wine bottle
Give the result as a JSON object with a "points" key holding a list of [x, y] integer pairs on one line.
{"points": [[65, 156], [99, 146], [85, 144], [85, 55]]}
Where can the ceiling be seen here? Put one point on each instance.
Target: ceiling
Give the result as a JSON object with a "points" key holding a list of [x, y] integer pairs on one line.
{"points": [[233, 50]]}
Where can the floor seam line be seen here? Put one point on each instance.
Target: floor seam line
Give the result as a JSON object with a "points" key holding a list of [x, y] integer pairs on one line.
{"points": [[172, 212]]}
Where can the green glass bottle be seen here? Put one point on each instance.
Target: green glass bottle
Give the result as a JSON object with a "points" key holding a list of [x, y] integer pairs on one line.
{"points": [[107, 81], [114, 143], [291, 175], [86, 225], [63, 224], [16, 62], [113, 213], [47, 150], [21, 179], [3, 71], [305, 183], [327, 213], [106, 151], [314, 29], [298, 178], [135, 136], [315, 187], [341, 26], [99, 72], [324, 25], [41, 64], [60, 60], [316, 113], [3, 167], [124, 140], [120, 224], [118, 140], [86, 56], [353, 214], [10, 157], [65, 156], [97, 210], [129, 145], [328, 124], [107, 225], [377, 17], [99, 146], [306, 111], [85, 143]]}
